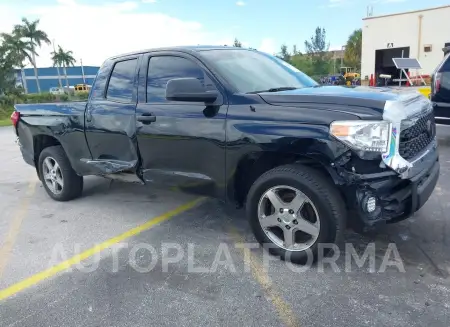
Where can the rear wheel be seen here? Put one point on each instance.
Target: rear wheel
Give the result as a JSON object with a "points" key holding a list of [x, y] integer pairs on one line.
{"points": [[57, 175], [292, 209]]}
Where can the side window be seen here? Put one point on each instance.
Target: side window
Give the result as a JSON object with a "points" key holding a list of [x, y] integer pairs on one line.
{"points": [[121, 83], [446, 66], [161, 69]]}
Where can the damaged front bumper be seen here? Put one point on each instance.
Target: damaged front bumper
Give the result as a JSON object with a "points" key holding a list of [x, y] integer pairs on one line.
{"points": [[409, 169], [391, 197]]}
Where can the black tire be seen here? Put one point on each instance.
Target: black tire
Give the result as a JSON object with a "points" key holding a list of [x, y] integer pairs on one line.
{"points": [[73, 184], [322, 193]]}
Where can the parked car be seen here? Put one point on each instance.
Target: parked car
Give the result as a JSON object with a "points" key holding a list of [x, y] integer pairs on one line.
{"points": [[440, 89], [249, 129], [56, 90]]}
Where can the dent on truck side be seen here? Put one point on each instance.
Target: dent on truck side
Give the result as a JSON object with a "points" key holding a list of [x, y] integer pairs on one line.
{"points": [[261, 136], [54, 123], [107, 127]]}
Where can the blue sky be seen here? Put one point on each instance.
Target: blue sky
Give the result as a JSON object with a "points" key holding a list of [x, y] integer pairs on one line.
{"points": [[96, 29], [289, 21]]}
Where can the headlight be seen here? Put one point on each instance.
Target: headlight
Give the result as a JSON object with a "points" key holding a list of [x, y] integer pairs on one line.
{"points": [[362, 135]]}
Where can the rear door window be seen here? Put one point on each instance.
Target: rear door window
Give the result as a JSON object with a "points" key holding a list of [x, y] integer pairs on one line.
{"points": [[121, 83]]}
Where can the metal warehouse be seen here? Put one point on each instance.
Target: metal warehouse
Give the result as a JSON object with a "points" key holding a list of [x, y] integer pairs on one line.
{"points": [[48, 77], [420, 34]]}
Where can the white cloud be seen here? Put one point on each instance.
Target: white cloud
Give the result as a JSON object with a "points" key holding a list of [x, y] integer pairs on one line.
{"points": [[335, 3], [335, 47], [149, 1], [96, 32], [240, 3], [268, 45]]}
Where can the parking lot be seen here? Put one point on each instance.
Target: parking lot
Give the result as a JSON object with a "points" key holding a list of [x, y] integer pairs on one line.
{"points": [[83, 263]]}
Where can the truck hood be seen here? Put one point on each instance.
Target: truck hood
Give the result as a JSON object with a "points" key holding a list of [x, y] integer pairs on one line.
{"points": [[402, 108], [364, 102]]}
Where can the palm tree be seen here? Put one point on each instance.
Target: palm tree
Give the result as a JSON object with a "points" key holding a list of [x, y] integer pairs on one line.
{"points": [[352, 55], [66, 59], [7, 80], [20, 51], [57, 63], [36, 37]]}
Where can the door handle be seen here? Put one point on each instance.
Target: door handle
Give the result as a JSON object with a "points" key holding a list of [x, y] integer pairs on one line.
{"points": [[88, 114], [146, 119]]}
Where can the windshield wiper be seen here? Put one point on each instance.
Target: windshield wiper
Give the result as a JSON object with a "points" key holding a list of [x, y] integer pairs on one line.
{"points": [[275, 89]]}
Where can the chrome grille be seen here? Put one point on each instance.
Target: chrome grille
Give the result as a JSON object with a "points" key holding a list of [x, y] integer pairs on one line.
{"points": [[416, 138]]}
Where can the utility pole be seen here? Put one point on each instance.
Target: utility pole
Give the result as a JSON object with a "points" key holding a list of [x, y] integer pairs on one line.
{"points": [[82, 71], [342, 56]]}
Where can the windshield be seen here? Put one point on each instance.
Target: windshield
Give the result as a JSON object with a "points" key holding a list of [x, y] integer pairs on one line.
{"points": [[252, 71]]}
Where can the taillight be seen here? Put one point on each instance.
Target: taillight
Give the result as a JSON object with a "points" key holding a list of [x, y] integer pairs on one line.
{"points": [[437, 82], [15, 116]]}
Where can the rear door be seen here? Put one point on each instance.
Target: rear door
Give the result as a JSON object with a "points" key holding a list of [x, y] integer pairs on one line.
{"points": [[110, 120], [441, 90], [181, 144]]}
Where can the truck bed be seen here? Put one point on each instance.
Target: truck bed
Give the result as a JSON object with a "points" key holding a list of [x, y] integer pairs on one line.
{"points": [[52, 109], [44, 124]]}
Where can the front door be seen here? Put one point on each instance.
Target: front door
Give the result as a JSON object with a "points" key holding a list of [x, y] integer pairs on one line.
{"points": [[111, 119], [182, 144]]}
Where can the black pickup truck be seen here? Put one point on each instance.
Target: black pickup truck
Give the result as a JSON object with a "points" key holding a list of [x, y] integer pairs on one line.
{"points": [[249, 129]]}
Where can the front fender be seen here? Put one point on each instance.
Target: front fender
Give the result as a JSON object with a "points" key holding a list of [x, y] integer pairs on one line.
{"points": [[253, 149]]}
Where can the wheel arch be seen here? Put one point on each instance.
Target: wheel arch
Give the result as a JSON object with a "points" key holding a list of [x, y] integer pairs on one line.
{"points": [[253, 165], [40, 142]]}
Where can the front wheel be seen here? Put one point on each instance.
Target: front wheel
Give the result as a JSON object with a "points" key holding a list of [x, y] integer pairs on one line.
{"points": [[292, 209], [57, 175]]}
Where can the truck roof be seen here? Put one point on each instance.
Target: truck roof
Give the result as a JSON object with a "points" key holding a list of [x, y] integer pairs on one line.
{"points": [[193, 48]]}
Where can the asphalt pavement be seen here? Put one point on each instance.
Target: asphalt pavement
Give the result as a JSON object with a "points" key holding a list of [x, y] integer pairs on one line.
{"points": [[130, 255]]}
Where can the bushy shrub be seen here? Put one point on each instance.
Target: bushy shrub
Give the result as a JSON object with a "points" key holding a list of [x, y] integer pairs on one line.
{"points": [[12, 99], [5, 111], [40, 98], [82, 95]]}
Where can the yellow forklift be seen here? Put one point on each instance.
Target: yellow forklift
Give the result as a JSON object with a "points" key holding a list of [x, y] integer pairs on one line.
{"points": [[349, 74]]}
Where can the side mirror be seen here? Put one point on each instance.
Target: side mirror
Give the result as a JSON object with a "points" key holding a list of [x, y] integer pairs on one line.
{"points": [[188, 89]]}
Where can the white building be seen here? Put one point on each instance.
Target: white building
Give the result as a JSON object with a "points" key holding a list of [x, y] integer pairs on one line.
{"points": [[417, 34]]}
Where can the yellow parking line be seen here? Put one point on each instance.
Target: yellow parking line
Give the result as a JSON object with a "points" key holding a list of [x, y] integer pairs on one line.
{"points": [[283, 308], [35, 279], [16, 223]]}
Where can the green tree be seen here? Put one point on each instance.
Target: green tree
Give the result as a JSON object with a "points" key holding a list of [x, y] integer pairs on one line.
{"points": [[7, 79], [303, 63], [317, 49], [18, 51], [237, 43], [36, 37], [66, 59], [284, 53], [352, 55]]}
